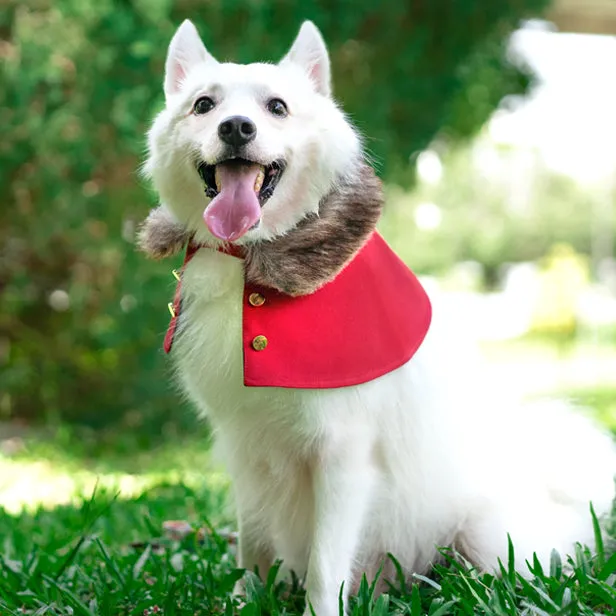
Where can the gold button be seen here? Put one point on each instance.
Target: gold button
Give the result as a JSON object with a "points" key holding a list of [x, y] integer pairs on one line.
{"points": [[259, 343], [256, 299], [176, 275], [171, 309]]}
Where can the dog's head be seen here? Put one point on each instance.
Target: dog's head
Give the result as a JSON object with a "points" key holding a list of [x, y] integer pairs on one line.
{"points": [[244, 152]]}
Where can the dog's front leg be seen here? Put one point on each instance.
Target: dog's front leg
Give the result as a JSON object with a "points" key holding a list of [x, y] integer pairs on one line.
{"points": [[253, 554], [343, 485]]}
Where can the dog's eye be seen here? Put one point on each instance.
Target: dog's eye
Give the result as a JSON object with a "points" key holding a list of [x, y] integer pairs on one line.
{"points": [[203, 105], [277, 107]]}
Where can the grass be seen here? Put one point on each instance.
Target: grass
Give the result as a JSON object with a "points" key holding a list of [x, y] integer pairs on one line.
{"points": [[64, 466], [82, 532], [106, 556]]}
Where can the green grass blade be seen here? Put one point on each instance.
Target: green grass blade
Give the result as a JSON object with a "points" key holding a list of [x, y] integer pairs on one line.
{"points": [[80, 608], [70, 557], [599, 547], [511, 572], [608, 568], [415, 601], [141, 561], [376, 579], [8, 611], [556, 565], [444, 610], [170, 600], [110, 563], [381, 607], [427, 580], [272, 574], [399, 572], [605, 593]]}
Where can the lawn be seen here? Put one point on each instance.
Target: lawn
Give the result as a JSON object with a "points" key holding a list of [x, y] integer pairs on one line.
{"points": [[111, 556], [114, 555], [85, 530]]}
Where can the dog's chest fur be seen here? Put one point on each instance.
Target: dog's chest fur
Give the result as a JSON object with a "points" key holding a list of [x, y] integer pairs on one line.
{"points": [[209, 362], [260, 421]]}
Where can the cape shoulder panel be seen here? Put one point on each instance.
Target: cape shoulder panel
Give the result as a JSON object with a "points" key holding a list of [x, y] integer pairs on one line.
{"points": [[368, 321]]}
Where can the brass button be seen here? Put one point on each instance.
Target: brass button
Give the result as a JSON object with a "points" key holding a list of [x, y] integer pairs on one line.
{"points": [[171, 309], [176, 274], [256, 299], [259, 343]]}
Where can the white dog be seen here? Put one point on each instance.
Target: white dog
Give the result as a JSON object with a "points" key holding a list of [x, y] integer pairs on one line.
{"points": [[337, 456]]}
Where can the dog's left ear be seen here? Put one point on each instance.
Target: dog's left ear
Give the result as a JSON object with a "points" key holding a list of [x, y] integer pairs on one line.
{"points": [[309, 52]]}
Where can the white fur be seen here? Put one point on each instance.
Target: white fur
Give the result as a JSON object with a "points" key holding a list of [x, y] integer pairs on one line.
{"points": [[331, 480]]}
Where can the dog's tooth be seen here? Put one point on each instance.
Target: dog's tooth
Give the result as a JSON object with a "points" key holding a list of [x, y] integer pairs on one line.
{"points": [[217, 179], [259, 180]]}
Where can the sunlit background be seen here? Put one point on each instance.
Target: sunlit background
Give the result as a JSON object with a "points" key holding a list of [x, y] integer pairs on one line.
{"points": [[493, 126]]}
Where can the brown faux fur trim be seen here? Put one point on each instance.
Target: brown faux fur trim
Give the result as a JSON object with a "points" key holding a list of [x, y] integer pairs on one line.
{"points": [[314, 252], [161, 236], [308, 256]]}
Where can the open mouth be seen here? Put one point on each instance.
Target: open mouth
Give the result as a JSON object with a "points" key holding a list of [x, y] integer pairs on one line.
{"points": [[238, 189], [266, 180]]}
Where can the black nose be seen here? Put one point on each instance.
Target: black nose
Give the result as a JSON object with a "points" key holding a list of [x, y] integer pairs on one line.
{"points": [[237, 130]]}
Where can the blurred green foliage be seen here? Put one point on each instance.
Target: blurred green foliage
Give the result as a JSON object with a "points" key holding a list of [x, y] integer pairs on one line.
{"points": [[497, 205], [82, 315]]}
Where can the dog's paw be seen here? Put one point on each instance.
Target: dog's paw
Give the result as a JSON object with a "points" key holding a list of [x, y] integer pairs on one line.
{"points": [[160, 236], [239, 589], [239, 594], [250, 580]]}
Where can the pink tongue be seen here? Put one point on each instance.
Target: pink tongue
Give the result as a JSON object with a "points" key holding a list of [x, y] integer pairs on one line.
{"points": [[236, 208]]}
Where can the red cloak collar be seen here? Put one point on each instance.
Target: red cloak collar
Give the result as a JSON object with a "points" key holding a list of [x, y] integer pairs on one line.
{"points": [[368, 321]]}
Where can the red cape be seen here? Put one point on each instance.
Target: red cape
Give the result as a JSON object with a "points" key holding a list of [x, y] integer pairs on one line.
{"points": [[368, 321]]}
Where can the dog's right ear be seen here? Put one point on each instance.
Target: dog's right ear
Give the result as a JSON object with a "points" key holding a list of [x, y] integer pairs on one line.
{"points": [[186, 50]]}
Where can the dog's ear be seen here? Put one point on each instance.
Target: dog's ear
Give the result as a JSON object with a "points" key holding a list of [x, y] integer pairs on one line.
{"points": [[309, 52], [186, 50]]}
